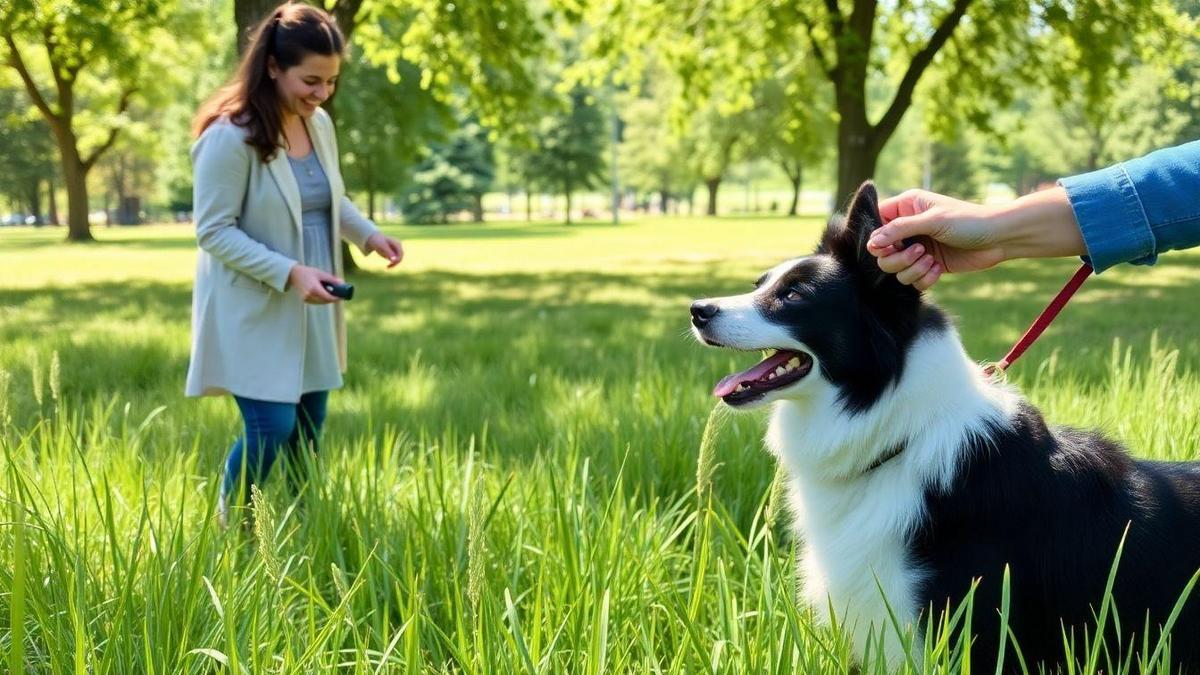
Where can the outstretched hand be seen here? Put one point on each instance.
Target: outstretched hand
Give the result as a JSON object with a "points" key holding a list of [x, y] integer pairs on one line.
{"points": [[944, 235], [386, 247]]}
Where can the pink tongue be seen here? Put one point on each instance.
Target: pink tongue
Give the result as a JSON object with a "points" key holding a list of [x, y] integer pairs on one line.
{"points": [[727, 385]]}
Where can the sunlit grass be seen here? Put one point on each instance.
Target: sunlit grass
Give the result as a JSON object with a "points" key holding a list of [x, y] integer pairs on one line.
{"points": [[510, 479]]}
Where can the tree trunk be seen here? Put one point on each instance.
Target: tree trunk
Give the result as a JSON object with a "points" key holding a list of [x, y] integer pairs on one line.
{"points": [[53, 201], [247, 14], [118, 184], [860, 142], [528, 204], [33, 195], [371, 204], [75, 174], [713, 184], [857, 151], [477, 208], [129, 210], [794, 209], [568, 193], [663, 196]]}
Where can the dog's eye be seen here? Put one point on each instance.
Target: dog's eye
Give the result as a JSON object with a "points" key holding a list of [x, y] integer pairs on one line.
{"points": [[793, 295]]}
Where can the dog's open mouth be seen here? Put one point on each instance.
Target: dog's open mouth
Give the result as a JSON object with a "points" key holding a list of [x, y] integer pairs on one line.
{"points": [[779, 369]]}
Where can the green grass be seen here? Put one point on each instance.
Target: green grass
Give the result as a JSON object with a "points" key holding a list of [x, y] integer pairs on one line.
{"points": [[513, 478]]}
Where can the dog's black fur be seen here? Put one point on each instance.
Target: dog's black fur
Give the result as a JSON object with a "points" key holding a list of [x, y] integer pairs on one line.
{"points": [[1053, 505]]}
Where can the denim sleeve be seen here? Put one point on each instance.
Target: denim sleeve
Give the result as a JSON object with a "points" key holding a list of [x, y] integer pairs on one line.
{"points": [[1132, 211]]}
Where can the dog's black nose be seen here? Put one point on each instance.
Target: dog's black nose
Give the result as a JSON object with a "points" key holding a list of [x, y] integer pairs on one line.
{"points": [[702, 313]]}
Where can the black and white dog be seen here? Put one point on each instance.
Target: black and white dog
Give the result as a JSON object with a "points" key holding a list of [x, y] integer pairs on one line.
{"points": [[909, 468]]}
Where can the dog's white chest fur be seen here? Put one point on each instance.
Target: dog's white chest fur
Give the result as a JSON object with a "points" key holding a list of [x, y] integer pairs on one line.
{"points": [[854, 524]]}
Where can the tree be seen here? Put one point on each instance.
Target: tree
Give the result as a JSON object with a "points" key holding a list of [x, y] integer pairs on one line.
{"points": [[452, 178], [653, 159], [437, 189], [983, 46], [711, 141], [385, 121], [96, 57], [472, 152], [953, 170], [792, 121], [1148, 103], [570, 147], [28, 149]]}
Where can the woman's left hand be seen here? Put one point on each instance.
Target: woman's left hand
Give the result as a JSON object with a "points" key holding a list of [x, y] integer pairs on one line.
{"points": [[386, 247]]}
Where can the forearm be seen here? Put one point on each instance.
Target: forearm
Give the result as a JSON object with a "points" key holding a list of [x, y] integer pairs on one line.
{"points": [[1039, 225], [356, 228], [238, 251]]}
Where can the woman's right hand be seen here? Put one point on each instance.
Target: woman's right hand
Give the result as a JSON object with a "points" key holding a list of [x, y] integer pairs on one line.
{"points": [[307, 282], [945, 235], [950, 235]]}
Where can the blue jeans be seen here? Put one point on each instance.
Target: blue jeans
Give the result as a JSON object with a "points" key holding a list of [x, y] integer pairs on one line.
{"points": [[269, 429]]}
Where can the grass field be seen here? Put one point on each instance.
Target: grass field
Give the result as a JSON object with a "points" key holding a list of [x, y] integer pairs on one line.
{"points": [[513, 479]]}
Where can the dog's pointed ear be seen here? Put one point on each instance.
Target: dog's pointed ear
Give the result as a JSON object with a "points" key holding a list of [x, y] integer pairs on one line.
{"points": [[846, 237], [862, 219]]}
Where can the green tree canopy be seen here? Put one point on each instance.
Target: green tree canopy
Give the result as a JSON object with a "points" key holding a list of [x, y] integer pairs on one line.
{"points": [[385, 120], [569, 154], [28, 163], [453, 177], [982, 47], [83, 63]]}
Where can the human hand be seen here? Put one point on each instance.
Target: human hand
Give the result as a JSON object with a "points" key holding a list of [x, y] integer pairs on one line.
{"points": [[307, 282], [386, 247], [945, 235]]}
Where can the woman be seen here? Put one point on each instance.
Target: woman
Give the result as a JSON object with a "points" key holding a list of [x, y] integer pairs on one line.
{"points": [[270, 210]]}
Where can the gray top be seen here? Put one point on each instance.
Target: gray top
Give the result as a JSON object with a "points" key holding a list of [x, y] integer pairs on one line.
{"points": [[321, 372]]}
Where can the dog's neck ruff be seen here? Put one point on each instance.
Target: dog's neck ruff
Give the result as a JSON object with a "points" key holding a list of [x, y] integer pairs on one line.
{"points": [[857, 480]]}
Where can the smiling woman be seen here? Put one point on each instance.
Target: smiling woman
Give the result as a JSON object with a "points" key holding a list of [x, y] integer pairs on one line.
{"points": [[265, 327]]}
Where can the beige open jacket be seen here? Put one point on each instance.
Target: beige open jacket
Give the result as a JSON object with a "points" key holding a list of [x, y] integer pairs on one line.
{"points": [[247, 326]]}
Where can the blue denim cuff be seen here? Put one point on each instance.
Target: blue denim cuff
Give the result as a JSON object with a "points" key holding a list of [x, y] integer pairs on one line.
{"points": [[1111, 218]]}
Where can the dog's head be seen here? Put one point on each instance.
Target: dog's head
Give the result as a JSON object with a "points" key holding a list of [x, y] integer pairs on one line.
{"points": [[832, 318]]}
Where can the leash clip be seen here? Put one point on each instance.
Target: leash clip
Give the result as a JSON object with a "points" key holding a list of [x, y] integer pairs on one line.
{"points": [[996, 371]]}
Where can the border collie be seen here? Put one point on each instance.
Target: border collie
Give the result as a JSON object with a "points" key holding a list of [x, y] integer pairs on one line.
{"points": [[911, 472]]}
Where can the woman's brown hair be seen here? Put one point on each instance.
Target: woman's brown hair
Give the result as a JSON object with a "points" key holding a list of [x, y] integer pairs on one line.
{"points": [[289, 34]]}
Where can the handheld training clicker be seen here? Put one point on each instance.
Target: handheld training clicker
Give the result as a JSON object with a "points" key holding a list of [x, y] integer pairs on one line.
{"points": [[343, 291]]}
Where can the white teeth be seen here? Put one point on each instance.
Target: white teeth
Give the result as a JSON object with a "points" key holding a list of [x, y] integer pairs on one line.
{"points": [[740, 387], [794, 363], [780, 371]]}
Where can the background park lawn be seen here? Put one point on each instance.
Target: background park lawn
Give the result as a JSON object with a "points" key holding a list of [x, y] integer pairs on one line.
{"points": [[512, 478]]}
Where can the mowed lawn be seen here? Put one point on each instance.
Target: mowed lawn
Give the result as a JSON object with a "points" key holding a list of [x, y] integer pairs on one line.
{"points": [[513, 478]]}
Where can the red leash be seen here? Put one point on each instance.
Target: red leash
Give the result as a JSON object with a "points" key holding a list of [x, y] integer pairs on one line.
{"points": [[1042, 322]]}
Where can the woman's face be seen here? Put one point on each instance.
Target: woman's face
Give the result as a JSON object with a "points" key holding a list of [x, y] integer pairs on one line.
{"points": [[306, 85]]}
